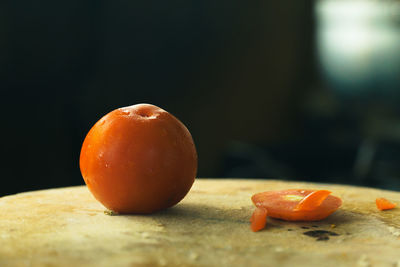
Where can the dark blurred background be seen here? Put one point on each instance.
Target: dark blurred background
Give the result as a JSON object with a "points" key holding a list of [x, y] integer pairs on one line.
{"points": [[301, 91]]}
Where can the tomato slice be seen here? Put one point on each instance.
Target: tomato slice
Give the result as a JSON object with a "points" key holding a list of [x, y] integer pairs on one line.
{"points": [[282, 204], [384, 204], [258, 219], [313, 200]]}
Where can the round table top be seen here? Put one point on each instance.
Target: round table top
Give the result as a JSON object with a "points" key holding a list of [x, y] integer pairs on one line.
{"points": [[210, 227]]}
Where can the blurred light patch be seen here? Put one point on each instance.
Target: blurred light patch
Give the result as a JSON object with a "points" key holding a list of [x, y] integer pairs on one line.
{"points": [[358, 44]]}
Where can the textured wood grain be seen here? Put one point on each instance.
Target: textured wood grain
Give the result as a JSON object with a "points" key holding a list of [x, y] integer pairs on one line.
{"points": [[68, 227]]}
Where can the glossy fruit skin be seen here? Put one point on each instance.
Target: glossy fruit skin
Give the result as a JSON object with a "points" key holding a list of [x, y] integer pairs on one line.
{"points": [[138, 159]]}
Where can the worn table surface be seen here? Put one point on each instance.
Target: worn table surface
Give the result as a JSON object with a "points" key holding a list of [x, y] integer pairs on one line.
{"points": [[210, 227]]}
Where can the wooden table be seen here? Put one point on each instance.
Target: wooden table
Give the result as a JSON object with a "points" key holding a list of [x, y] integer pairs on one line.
{"points": [[210, 227]]}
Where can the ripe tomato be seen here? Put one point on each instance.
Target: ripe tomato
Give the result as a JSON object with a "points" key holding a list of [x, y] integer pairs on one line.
{"points": [[138, 159]]}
